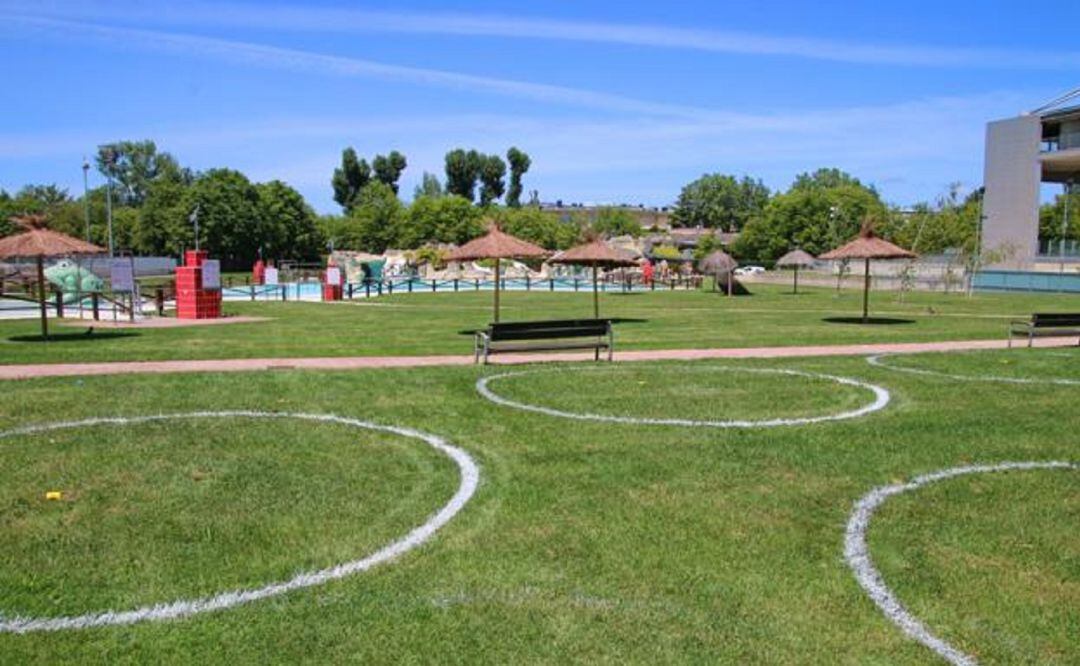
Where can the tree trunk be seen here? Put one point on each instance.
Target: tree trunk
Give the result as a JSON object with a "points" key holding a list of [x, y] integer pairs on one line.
{"points": [[41, 297], [866, 293], [496, 290], [595, 294]]}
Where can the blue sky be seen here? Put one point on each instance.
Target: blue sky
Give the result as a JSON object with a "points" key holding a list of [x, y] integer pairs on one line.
{"points": [[615, 101]]}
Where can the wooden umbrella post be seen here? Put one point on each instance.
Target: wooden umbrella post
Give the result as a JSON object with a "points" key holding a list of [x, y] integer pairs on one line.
{"points": [[41, 297], [496, 290], [795, 290], [866, 293], [595, 294]]}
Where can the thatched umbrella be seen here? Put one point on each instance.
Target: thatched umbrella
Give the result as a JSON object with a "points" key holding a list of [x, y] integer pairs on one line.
{"points": [[497, 245], [796, 259], [868, 246], [596, 254], [717, 263], [39, 242]]}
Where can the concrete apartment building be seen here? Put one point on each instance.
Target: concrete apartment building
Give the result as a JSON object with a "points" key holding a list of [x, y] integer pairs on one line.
{"points": [[1041, 146]]}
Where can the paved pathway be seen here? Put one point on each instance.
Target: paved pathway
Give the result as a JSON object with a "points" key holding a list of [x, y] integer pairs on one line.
{"points": [[359, 362]]}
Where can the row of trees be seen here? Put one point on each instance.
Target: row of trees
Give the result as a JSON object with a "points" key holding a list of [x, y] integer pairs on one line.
{"points": [[465, 169], [378, 220], [824, 208], [154, 199]]}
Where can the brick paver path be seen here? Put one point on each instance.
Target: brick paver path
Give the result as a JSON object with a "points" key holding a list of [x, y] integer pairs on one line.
{"points": [[359, 362]]}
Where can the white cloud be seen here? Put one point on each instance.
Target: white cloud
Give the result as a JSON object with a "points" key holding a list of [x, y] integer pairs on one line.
{"points": [[263, 55], [911, 150], [324, 19]]}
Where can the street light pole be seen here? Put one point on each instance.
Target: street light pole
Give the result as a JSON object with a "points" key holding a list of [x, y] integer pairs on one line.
{"points": [[1065, 221], [86, 196], [108, 158], [108, 210]]}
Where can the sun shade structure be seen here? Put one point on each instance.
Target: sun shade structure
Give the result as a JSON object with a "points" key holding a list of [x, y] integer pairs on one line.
{"points": [[596, 254], [796, 259], [719, 263], [497, 245], [38, 242], [866, 247]]}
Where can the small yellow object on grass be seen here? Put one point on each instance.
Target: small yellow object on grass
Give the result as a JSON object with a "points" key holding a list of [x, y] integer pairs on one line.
{"points": [[53, 495]]}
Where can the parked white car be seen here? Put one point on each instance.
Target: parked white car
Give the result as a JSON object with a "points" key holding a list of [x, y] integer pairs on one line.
{"points": [[750, 270]]}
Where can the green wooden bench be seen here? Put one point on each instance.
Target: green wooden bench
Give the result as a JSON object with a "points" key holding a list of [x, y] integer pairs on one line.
{"points": [[1045, 324], [552, 335]]}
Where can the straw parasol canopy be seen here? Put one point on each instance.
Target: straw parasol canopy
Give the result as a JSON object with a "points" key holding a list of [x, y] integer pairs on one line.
{"points": [[38, 242], [796, 259], [595, 253], [866, 247], [497, 245], [719, 263]]}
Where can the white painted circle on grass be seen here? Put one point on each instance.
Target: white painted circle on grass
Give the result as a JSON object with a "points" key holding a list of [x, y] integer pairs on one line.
{"points": [[877, 360], [881, 399], [857, 553], [467, 468]]}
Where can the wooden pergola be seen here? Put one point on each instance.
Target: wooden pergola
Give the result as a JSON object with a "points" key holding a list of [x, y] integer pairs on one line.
{"points": [[868, 246], [38, 242], [497, 245], [597, 254]]}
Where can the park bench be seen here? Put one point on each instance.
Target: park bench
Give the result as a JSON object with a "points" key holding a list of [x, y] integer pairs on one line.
{"points": [[554, 335], [1044, 324]]}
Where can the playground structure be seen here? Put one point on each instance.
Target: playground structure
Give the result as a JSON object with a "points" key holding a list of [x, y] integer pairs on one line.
{"points": [[198, 287]]}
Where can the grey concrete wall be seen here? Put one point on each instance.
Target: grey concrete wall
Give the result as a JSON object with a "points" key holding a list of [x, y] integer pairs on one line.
{"points": [[1011, 205]]}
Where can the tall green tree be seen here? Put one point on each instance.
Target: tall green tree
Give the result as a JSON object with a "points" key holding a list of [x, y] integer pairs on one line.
{"points": [[230, 221], [164, 228], [611, 221], [720, 201], [349, 178], [816, 219], [539, 227], [949, 223], [388, 168], [1052, 216], [134, 165], [375, 221], [429, 187], [444, 219], [462, 171], [289, 229], [64, 213], [519, 165], [826, 178], [492, 185]]}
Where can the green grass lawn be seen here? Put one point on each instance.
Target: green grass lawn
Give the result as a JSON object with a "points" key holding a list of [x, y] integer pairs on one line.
{"points": [[409, 324], [586, 542]]}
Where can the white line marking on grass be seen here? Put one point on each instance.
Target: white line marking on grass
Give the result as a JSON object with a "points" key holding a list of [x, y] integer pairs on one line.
{"points": [[857, 553], [467, 467], [881, 399], [876, 359]]}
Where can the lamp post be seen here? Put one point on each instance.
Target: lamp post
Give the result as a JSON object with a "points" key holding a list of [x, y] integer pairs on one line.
{"points": [[86, 196], [108, 154], [1065, 221]]}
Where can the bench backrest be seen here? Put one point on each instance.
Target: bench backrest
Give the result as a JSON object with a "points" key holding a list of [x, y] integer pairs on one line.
{"points": [[540, 330], [1050, 319]]}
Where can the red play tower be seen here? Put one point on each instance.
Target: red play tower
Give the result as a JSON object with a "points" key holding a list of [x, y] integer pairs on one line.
{"points": [[192, 300], [333, 283]]}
